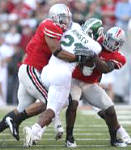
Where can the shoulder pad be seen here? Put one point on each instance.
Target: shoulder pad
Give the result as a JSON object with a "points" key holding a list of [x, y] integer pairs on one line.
{"points": [[51, 29]]}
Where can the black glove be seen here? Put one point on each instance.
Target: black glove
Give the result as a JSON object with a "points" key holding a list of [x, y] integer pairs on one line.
{"points": [[84, 55]]}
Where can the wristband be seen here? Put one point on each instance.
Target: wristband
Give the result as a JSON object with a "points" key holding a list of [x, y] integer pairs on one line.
{"points": [[57, 52]]}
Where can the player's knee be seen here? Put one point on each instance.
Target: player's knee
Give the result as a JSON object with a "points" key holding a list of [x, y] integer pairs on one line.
{"points": [[42, 107], [110, 111]]}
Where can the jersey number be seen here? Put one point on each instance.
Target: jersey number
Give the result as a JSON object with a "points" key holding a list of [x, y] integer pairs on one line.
{"points": [[71, 41]]}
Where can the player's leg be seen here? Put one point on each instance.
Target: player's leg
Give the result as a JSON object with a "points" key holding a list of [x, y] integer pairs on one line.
{"points": [[33, 109], [70, 121], [14, 116], [71, 113], [30, 89], [58, 93], [34, 90], [55, 104], [97, 97], [57, 98], [59, 130], [121, 133]]}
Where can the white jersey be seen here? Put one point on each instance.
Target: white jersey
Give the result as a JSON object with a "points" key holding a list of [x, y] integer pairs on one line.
{"points": [[75, 38]]}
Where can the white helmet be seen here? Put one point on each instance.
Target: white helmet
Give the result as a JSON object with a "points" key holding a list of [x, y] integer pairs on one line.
{"points": [[114, 39], [61, 15]]}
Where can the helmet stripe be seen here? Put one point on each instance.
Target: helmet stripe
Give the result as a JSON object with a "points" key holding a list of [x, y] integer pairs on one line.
{"points": [[118, 33]]}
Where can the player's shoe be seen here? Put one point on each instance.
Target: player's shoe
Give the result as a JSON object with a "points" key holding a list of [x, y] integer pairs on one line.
{"points": [[58, 127], [3, 125], [59, 132], [70, 142], [118, 143], [28, 137], [114, 141], [13, 126], [121, 134]]}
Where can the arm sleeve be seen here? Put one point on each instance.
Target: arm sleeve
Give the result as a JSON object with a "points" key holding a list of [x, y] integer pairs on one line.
{"points": [[94, 46], [119, 60]]}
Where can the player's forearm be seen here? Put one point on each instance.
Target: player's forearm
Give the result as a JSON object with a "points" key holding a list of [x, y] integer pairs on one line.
{"points": [[55, 48], [67, 56], [103, 66]]}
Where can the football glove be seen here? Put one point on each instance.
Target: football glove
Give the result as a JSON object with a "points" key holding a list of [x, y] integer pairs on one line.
{"points": [[84, 55]]}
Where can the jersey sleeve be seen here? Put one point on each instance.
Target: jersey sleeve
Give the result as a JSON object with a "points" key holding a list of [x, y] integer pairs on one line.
{"points": [[52, 30], [119, 60], [94, 46]]}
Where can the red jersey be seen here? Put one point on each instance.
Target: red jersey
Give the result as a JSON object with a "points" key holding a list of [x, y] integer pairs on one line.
{"points": [[115, 56], [38, 52]]}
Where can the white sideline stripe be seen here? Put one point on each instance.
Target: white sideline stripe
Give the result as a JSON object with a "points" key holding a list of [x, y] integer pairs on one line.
{"points": [[126, 106], [124, 112], [86, 130], [62, 140], [124, 117], [92, 112], [79, 146], [87, 112], [59, 145], [76, 134], [105, 129], [125, 122], [52, 139], [77, 126]]}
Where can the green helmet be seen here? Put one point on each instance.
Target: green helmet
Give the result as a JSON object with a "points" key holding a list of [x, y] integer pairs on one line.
{"points": [[93, 27]]}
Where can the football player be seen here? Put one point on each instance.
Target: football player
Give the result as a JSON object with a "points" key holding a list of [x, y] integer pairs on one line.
{"points": [[57, 76], [46, 41], [94, 28], [88, 77]]}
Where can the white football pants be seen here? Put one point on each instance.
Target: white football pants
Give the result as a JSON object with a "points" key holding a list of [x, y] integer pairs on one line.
{"points": [[30, 87], [58, 80], [93, 93]]}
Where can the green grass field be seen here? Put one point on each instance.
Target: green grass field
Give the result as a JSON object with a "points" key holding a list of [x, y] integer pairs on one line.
{"points": [[90, 132]]}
